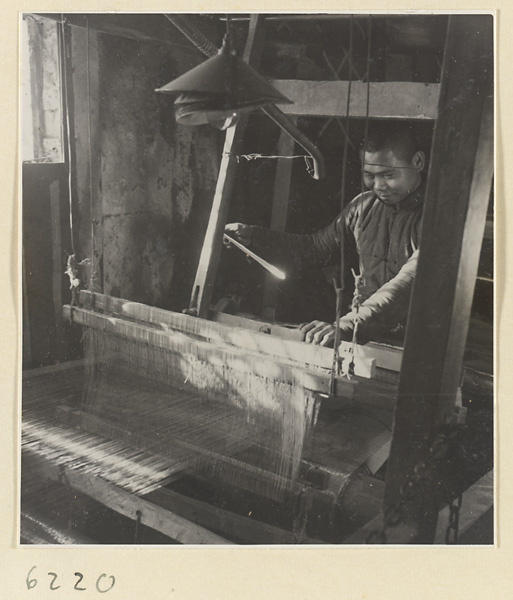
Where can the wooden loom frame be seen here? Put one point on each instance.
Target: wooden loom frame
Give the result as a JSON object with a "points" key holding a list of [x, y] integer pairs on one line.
{"points": [[465, 104], [467, 228]]}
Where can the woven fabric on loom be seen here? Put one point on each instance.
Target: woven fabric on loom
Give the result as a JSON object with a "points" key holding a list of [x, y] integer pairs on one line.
{"points": [[174, 397]]}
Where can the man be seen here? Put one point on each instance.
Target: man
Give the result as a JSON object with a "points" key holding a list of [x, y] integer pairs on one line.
{"points": [[383, 224]]}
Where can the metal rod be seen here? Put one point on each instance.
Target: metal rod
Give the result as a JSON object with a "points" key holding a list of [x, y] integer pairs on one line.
{"points": [[296, 134], [197, 38], [308, 17], [271, 268]]}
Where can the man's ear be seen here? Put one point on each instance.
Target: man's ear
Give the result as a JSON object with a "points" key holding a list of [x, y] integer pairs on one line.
{"points": [[419, 160]]}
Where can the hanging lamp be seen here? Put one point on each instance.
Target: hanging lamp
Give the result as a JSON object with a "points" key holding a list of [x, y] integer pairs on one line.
{"points": [[219, 89]]}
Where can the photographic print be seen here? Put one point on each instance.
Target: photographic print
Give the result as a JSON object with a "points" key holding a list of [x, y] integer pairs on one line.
{"points": [[257, 267]]}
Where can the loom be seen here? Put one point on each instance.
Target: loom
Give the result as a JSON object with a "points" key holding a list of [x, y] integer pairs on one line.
{"points": [[167, 394], [222, 400]]}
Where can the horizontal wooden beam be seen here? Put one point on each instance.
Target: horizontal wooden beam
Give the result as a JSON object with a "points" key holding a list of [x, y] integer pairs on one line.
{"points": [[371, 354], [35, 529], [369, 534], [139, 27], [266, 338], [131, 506], [230, 524], [51, 369], [247, 363], [392, 100]]}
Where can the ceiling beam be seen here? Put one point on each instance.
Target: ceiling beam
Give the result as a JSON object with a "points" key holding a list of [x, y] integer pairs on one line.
{"points": [[141, 27], [394, 100]]}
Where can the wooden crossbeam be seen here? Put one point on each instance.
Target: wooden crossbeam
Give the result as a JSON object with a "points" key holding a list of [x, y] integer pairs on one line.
{"points": [[230, 524], [139, 27], [131, 506], [37, 530], [393, 100], [267, 338], [249, 362], [384, 357], [400, 534]]}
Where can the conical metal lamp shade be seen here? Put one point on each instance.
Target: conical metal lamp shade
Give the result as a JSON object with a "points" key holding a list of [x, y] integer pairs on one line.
{"points": [[218, 89]]}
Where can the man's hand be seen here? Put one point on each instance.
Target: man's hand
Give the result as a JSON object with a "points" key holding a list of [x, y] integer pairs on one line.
{"points": [[319, 333], [240, 232]]}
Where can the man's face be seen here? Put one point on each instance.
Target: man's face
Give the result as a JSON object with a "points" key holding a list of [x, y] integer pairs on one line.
{"points": [[391, 178]]}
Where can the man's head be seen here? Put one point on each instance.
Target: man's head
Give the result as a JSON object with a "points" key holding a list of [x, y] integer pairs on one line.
{"points": [[392, 161]]}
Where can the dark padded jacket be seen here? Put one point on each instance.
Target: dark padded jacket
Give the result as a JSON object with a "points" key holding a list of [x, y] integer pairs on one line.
{"points": [[387, 240]]}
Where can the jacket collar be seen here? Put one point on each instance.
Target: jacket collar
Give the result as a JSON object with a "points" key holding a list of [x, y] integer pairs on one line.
{"points": [[410, 202]]}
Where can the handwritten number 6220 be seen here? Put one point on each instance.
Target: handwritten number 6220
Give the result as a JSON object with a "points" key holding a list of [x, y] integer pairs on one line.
{"points": [[101, 586]]}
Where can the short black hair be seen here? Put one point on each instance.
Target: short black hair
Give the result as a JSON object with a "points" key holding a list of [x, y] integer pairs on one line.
{"points": [[397, 136]]}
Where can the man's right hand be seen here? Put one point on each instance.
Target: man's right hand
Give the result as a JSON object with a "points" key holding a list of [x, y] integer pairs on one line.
{"points": [[321, 333], [240, 232]]}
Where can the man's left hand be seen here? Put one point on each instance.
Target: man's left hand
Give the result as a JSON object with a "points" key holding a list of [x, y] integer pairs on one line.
{"points": [[319, 333]]}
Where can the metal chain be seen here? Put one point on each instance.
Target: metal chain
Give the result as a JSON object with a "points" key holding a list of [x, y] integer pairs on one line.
{"points": [[137, 531], [392, 514], [451, 534]]}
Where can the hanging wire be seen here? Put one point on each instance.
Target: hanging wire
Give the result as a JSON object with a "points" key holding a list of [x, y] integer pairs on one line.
{"points": [[346, 140], [257, 156], [229, 30], [367, 108], [94, 263], [88, 79], [72, 264], [358, 279], [68, 131], [189, 29], [340, 287]]}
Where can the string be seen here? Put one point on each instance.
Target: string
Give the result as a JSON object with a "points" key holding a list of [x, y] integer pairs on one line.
{"points": [[68, 133], [256, 156], [340, 288], [367, 106], [72, 264], [93, 237], [309, 163], [358, 279], [355, 307]]}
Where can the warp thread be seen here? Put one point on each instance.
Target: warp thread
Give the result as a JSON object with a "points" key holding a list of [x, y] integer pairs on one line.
{"points": [[199, 413]]}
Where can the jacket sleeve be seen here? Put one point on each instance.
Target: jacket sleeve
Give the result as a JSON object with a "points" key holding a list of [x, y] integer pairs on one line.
{"points": [[387, 307], [294, 252]]}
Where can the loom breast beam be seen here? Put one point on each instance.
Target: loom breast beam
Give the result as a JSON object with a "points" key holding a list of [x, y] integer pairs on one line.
{"points": [[371, 360], [245, 360]]}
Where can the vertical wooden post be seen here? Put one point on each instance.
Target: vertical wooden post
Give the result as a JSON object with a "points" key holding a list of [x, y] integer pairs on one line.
{"points": [[27, 339], [94, 160], [280, 209], [203, 287], [83, 87], [57, 253], [281, 194], [457, 196]]}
